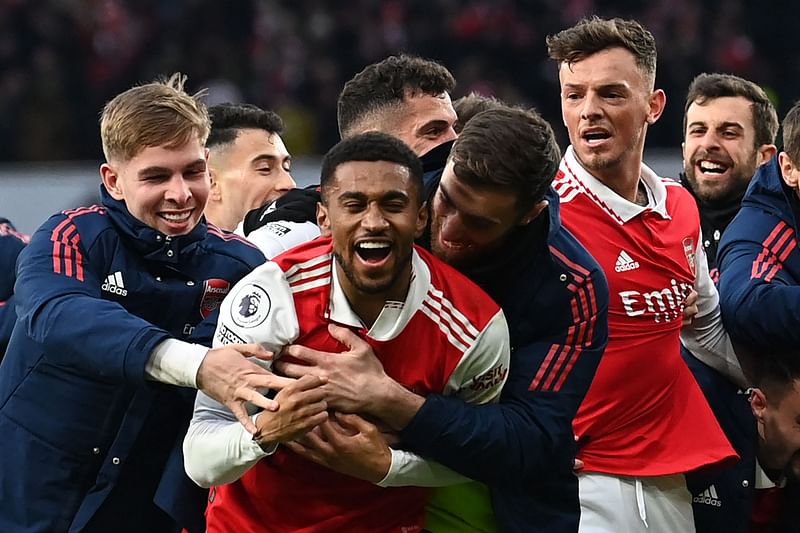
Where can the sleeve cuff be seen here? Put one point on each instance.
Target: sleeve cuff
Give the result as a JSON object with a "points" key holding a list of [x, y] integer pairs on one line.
{"points": [[175, 362]]}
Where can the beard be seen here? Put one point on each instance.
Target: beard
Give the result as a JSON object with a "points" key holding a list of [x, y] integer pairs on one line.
{"points": [[369, 286], [720, 191]]}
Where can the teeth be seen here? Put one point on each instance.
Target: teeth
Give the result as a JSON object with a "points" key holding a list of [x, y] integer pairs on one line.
{"points": [[710, 166], [177, 217], [373, 245]]}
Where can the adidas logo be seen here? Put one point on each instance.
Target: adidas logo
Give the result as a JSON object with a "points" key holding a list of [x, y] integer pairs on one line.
{"points": [[625, 262], [708, 497], [114, 284]]}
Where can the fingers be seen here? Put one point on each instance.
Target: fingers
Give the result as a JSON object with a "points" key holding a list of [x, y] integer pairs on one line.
{"points": [[244, 419], [254, 397], [307, 355], [353, 422], [578, 465], [345, 336], [253, 350], [293, 370]]}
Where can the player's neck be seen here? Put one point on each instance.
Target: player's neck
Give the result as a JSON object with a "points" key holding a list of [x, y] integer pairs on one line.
{"points": [[623, 178]]}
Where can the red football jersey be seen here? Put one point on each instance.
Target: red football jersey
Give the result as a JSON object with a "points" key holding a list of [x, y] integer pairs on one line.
{"points": [[644, 414], [438, 333]]}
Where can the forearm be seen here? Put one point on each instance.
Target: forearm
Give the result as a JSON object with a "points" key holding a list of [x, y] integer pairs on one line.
{"points": [[217, 449], [409, 469], [175, 362], [396, 406]]}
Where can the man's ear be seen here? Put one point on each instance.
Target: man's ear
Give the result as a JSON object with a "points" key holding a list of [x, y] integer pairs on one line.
{"points": [[323, 221], [658, 100], [534, 212], [765, 153], [758, 403], [112, 182], [215, 192], [422, 220], [787, 166]]}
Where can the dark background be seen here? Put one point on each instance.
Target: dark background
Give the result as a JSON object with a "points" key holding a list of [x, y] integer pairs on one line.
{"points": [[61, 60]]}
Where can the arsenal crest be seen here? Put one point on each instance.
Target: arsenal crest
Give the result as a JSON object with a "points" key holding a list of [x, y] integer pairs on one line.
{"points": [[691, 254], [214, 290]]}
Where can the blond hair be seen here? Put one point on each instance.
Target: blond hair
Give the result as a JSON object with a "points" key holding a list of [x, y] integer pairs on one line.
{"points": [[154, 114]]}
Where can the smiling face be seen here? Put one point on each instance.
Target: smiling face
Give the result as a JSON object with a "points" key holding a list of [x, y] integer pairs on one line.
{"points": [[720, 154], [426, 121], [607, 103], [468, 223], [165, 188], [250, 172], [373, 212]]}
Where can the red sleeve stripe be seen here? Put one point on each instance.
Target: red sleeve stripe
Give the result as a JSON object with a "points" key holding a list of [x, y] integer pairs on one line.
{"points": [[571, 264], [561, 358], [776, 249], [227, 236], [67, 256]]}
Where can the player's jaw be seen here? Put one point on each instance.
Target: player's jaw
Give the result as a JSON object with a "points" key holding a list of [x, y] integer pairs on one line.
{"points": [[374, 263]]}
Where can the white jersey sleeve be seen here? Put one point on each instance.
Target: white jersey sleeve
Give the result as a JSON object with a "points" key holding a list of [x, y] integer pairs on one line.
{"points": [[478, 378], [259, 309], [274, 238], [706, 338]]}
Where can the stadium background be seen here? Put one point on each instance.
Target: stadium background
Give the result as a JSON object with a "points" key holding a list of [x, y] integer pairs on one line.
{"points": [[61, 60]]}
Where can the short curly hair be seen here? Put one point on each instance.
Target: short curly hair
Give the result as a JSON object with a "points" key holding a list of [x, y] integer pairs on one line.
{"points": [[386, 84]]}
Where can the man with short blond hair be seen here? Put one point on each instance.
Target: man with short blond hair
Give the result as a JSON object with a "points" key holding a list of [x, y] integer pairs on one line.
{"points": [[96, 388]]}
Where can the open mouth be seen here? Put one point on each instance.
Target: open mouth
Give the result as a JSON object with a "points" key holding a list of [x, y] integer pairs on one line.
{"points": [[372, 252], [595, 136], [712, 167], [176, 217]]}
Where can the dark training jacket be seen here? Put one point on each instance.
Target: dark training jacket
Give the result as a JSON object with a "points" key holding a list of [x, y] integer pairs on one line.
{"points": [[89, 444]]}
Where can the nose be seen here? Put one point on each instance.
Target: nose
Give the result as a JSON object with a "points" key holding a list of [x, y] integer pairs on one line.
{"points": [[284, 182], [449, 135], [373, 219], [178, 190], [591, 107], [453, 230], [710, 140]]}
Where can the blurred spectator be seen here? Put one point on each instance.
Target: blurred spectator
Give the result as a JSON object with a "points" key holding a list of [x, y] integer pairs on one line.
{"points": [[60, 60], [11, 244]]}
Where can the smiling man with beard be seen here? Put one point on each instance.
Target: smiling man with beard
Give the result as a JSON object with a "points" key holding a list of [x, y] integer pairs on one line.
{"points": [[729, 128], [433, 330]]}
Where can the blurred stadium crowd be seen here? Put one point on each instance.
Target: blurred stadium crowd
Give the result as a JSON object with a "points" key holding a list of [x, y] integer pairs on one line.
{"points": [[61, 60]]}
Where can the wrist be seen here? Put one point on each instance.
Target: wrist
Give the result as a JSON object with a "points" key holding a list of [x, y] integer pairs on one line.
{"points": [[397, 405]]}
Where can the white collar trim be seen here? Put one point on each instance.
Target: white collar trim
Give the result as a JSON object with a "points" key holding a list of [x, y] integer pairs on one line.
{"points": [[395, 315], [615, 205]]}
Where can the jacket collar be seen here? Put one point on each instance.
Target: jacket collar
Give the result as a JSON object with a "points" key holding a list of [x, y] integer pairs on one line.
{"points": [[152, 244], [716, 214], [609, 201]]}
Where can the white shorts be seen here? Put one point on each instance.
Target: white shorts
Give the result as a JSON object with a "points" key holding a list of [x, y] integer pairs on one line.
{"points": [[619, 504]]}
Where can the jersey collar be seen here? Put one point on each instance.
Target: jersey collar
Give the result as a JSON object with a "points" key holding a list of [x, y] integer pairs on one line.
{"points": [[615, 205], [395, 315]]}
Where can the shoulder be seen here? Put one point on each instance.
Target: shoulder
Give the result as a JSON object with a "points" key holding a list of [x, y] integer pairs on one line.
{"points": [[453, 291], [225, 243], [753, 224], [82, 225], [274, 238], [580, 267]]}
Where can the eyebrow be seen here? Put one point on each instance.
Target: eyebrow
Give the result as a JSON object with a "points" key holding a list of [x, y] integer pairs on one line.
{"points": [[729, 124], [165, 170], [269, 158], [388, 197], [465, 214], [438, 123], [607, 86]]}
